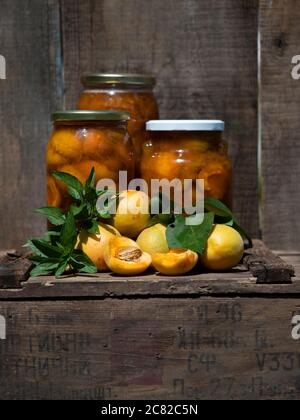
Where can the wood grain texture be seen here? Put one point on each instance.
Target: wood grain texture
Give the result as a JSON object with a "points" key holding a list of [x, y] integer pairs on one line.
{"points": [[29, 33], [204, 55], [179, 348], [280, 103]]}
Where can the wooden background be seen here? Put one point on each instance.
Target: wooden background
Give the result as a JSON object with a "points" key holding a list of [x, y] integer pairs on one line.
{"points": [[213, 59]]}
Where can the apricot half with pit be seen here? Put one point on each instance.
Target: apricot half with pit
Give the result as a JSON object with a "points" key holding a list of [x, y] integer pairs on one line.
{"points": [[93, 245], [133, 213], [176, 262], [124, 257]]}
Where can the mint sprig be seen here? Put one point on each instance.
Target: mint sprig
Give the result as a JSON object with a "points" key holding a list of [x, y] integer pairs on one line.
{"points": [[58, 255], [55, 253]]}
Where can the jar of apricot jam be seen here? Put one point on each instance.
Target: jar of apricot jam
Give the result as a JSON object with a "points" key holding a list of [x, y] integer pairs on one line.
{"points": [[128, 92], [188, 150], [82, 140]]}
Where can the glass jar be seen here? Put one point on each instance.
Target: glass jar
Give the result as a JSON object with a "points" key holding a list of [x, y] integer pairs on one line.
{"points": [[82, 140], [188, 150], [128, 92]]}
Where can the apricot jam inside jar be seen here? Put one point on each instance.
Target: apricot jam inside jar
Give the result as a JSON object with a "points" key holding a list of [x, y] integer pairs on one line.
{"points": [[128, 92], [82, 140], [189, 150]]}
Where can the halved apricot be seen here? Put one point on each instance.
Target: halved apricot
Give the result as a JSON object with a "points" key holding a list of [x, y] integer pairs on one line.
{"points": [[124, 257], [176, 262]]}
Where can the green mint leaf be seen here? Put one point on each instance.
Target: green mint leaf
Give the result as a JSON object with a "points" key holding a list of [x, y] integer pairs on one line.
{"points": [[90, 183], [217, 207], [68, 234], [62, 267], [182, 236], [104, 214], [82, 263], [75, 188], [92, 227], [44, 268], [243, 233], [36, 259], [54, 215], [42, 248]]}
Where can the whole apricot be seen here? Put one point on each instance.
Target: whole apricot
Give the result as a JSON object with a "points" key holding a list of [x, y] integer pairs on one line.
{"points": [[93, 245], [224, 250], [176, 262], [154, 240], [133, 213], [123, 256]]}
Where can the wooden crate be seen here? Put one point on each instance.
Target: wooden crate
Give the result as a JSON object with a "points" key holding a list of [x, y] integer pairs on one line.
{"points": [[202, 336]]}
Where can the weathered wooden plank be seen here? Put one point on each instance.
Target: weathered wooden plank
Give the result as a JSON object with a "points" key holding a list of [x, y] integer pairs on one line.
{"points": [[266, 266], [156, 349], [29, 33], [280, 32], [204, 55], [14, 270]]}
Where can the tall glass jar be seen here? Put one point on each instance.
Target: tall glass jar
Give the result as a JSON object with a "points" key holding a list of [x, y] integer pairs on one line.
{"points": [[82, 140], [188, 150], [128, 92]]}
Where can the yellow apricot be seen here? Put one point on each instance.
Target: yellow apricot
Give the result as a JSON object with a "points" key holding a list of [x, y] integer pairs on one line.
{"points": [[93, 245], [153, 240], [175, 263], [224, 250], [124, 257], [132, 215], [66, 143]]}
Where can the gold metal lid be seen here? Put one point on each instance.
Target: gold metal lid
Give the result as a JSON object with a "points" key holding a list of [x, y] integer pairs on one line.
{"points": [[110, 115], [139, 80]]}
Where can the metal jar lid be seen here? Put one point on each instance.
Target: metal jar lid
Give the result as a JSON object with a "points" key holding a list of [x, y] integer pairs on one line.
{"points": [[185, 125], [99, 79], [64, 116]]}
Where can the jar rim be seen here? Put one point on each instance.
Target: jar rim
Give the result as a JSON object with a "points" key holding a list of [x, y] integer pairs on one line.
{"points": [[96, 79], [101, 115], [185, 125]]}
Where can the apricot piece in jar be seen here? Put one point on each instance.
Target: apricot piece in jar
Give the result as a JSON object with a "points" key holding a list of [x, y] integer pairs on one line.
{"points": [[133, 213], [66, 143], [164, 165], [102, 172], [53, 194], [93, 245], [54, 159], [216, 180], [175, 263], [95, 143], [124, 257]]}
